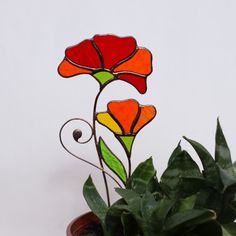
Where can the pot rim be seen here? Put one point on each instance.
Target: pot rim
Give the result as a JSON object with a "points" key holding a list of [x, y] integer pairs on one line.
{"points": [[86, 218]]}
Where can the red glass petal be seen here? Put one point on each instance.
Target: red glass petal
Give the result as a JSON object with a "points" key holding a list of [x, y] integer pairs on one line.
{"points": [[84, 54], [114, 49], [138, 82]]}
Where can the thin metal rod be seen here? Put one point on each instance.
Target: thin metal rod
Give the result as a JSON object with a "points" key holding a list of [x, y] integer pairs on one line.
{"points": [[98, 148], [80, 158]]}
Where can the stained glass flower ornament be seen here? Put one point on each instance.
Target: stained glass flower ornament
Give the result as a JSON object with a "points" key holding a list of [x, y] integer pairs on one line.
{"points": [[125, 119], [108, 58]]}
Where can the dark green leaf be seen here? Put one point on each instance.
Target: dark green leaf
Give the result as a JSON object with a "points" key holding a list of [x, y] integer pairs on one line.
{"points": [[160, 213], [222, 152], [172, 179], [189, 217], [142, 176], [113, 217], [131, 198], [130, 226], [227, 179], [210, 169], [112, 161], [177, 151], [230, 228], [94, 200], [187, 203], [225, 232], [211, 228], [148, 204]]}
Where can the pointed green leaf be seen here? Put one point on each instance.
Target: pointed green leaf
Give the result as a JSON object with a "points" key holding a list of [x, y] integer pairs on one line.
{"points": [[127, 142], [227, 179], [230, 228], [131, 198], [172, 179], [211, 228], [175, 153], [94, 200], [142, 176], [210, 169], [113, 217], [112, 161], [222, 152], [130, 226], [189, 217], [160, 213], [187, 203], [226, 233]]}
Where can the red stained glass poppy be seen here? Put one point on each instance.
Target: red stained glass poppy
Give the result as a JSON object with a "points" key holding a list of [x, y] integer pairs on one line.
{"points": [[116, 57]]}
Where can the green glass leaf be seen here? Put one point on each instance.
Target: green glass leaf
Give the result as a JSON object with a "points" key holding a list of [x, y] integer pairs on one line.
{"points": [[112, 161], [127, 142], [94, 200], [103, 77], [208, 162], [222, 152]]}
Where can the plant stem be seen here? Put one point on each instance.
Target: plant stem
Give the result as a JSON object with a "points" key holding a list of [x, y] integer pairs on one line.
{"points": [[97, 147]]}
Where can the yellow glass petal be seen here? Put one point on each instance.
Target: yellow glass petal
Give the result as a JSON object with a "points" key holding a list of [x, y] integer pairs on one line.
{"points": [[105, 119]]}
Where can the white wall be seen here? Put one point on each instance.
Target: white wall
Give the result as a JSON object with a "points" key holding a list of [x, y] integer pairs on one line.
{"points": [[193, 82]]}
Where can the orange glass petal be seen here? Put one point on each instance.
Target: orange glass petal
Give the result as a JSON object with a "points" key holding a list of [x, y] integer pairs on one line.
{"points": [[146, 115], [125, 112], [66, 69], [140, 63]]}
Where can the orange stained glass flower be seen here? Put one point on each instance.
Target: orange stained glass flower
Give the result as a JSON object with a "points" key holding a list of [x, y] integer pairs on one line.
{"points": [[126, 118], [108, 58]]}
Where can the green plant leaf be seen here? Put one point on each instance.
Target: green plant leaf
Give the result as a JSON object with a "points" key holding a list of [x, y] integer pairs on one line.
{"points": [[142, 176], [131, 198], [208, 162], [225, 232], [230, 228], [182, 166], [160, 213], [211, 228], [130, 226], [94, 200], [112, 161], [189, 218], [222, 152], [227, 179], [187, 203], [113, 217], [177, 151]]}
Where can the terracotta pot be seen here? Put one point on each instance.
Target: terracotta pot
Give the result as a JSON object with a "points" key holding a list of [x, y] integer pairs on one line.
{"points": [[80, 223]]}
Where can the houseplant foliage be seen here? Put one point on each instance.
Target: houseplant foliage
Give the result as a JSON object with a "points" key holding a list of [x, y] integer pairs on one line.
{"points": [[185, 201]]}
